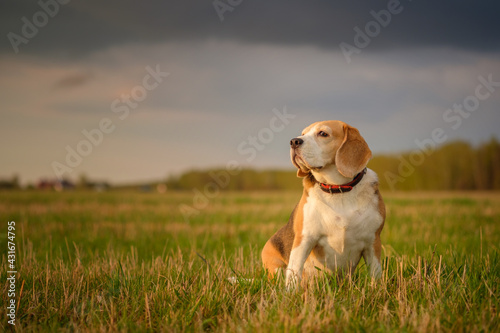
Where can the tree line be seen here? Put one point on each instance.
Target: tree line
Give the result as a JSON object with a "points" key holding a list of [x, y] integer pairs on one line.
{"points": [[454, 166]]}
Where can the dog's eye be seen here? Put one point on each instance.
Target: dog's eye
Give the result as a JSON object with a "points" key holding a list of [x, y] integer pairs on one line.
{"points": [[323, 134]]}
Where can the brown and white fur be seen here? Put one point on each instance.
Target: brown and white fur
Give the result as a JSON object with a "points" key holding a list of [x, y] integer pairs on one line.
{"points": [[329, 231]]}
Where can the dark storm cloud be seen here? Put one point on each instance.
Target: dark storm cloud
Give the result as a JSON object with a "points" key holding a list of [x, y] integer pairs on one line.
{"points": [[73, 80], [82, 26]]}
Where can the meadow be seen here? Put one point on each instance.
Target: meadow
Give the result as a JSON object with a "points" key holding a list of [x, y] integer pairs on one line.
{"points": [[127, 261]]}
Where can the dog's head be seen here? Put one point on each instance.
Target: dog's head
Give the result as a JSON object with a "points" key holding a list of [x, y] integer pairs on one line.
{"points": [[329, 144]]}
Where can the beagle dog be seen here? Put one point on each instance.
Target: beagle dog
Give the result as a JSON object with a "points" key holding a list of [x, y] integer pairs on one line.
{"points": [[341, 213]]}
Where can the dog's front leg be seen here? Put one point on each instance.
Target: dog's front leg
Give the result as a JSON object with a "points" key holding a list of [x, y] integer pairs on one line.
{"points": [[298, 257], [373, 262]]}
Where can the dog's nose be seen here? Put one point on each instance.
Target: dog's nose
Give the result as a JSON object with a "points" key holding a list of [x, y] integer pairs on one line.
{"points": [[296, 142]]}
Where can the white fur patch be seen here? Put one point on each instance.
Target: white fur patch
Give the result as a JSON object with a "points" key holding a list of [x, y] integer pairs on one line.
{"points": [[343, 225]]}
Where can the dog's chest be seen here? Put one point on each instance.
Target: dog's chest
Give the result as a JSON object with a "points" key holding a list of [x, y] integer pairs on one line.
{"points": [[342, 227]]}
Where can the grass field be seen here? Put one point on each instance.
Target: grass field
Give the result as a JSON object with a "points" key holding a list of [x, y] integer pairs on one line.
{"points": [[130, 262]]}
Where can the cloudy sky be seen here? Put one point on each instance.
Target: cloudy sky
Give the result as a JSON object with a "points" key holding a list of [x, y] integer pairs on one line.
{"points": [[160, 87]]}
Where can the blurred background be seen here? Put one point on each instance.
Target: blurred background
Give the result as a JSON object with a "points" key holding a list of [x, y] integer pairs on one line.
{"points": [[164, 95]]}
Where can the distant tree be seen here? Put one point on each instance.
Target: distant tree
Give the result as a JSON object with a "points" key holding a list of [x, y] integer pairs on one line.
{"points": [[487, 165], [83, 182], [15, 181], [172, 183], [10, 184]]}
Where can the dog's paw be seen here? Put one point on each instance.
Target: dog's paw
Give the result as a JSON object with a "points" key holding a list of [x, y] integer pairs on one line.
{"points": [[292, 280]]}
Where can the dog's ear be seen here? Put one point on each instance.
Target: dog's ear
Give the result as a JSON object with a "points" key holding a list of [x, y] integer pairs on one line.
{"points": [[302, 174], [353, 154]]}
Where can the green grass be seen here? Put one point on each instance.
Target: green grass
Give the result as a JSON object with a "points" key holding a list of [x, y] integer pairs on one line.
{"points": [[130, 262]]}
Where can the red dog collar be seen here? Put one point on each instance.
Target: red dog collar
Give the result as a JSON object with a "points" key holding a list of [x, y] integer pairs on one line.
{"points": [[344, 187]]}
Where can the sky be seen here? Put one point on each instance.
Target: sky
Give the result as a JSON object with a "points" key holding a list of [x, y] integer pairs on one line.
{"points": [[129, 91]]}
